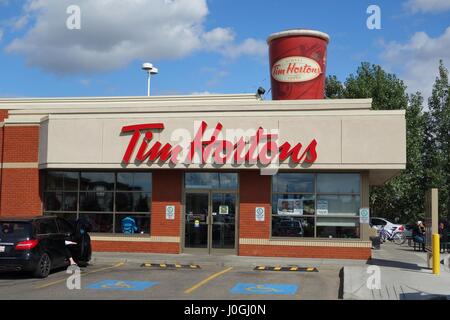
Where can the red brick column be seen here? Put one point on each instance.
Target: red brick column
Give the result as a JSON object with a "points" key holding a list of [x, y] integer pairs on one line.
{"points": [[166, 190], [3, 114], [20, 191], [254, 191]]}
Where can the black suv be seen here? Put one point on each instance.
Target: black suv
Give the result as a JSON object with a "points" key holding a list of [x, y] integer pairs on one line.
{"points": [[40, 244]]}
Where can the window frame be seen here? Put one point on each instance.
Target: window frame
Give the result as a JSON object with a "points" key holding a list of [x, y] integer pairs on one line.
{"points": [[316, 196], [114, 212]]}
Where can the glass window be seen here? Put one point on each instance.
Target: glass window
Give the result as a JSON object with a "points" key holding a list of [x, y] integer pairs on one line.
{"points": [[53, 201], [134, 181], [293, 204], [54, 181], [285, 226], [316, 205], [228, 180], [97, 181], [377, 222], [60, 201], [337, 227], [71, 217], [132, 224], [211, 180], [293, 182], [46, 226], [96, 201], [15, 230], [61, 181], [346, 205], [70, 182], [100, 222], [133, 202], [338, 183], [64, 226], [99, 197]]}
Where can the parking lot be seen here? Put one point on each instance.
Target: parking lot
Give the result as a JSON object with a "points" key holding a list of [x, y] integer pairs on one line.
{"points": [[127, 280]]}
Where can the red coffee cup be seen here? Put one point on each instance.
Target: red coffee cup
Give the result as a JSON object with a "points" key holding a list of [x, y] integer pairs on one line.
{"points": [[297, 64]]}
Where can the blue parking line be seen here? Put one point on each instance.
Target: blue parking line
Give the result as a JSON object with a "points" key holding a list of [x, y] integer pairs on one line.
{"points": [[122, 285], [264, 288]]}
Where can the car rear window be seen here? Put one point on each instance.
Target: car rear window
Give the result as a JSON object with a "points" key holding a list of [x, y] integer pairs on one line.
{"points": [[10, 230], [64, 226], [46, 226]]}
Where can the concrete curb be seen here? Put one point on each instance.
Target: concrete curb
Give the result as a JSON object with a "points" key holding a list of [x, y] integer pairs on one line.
{"points": [[355, 284]]}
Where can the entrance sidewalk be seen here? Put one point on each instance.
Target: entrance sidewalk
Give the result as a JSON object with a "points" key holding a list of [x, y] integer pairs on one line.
{"points": [[404, 276], [225, 261]]}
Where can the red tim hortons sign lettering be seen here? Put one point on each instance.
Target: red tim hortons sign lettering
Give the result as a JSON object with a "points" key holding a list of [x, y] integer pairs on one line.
{"points": [[257, 146]]}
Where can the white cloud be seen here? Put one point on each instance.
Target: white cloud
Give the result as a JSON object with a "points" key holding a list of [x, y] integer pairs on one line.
{"points": [[1, 35], [218, 38], [250, 47], [20, 22], [202, 93], [433, 6], [85, 82], [116, 32], [417, 60]]}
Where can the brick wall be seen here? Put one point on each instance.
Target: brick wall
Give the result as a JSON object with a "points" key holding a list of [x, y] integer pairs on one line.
{"points": [[21, 144], [3, 114], [20, 187], [128, 246], [20, 195], [166, 190], [254, 191], [305, 252]]}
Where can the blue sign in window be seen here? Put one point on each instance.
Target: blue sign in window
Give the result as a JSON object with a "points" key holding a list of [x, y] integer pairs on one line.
{"points": [[122, 285], [264, 288]]}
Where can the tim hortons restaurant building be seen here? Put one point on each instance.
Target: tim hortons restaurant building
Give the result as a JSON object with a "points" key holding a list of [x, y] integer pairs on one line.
{"points": [[216, 174]]}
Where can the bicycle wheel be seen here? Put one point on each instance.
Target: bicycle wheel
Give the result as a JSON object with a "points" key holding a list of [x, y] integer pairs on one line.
{"points": [[399, 238]]}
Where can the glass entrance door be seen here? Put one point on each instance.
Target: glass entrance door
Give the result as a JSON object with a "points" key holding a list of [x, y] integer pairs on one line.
{"points": [[223, 220], [210, 222], [196, 220]]}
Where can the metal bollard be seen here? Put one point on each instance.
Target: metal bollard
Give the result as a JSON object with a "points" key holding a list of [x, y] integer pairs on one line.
{"points": [[436, 254]]}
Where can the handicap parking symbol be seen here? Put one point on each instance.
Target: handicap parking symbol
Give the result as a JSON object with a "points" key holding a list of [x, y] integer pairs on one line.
{"points": [[266, 288], [122, 285]]}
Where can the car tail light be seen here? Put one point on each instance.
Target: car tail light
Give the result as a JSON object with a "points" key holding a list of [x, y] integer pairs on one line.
{"points": [[401, 228], [27, 245]]}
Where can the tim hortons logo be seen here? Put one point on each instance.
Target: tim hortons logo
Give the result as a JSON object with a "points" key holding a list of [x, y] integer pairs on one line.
{"points": [[213, 146], [296, 69]]}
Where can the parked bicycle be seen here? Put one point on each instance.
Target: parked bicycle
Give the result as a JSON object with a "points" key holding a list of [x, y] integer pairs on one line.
{"points": [[397, 237]]}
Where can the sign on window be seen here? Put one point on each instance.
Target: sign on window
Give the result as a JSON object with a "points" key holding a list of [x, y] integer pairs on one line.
{"points": [[322, 207], [290, 207]]}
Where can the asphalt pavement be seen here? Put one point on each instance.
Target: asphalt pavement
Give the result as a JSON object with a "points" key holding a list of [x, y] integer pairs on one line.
{"points": [[125, 280]]}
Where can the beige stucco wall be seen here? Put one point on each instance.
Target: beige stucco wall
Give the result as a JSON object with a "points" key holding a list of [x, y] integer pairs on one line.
{"points": [[350, 136]]}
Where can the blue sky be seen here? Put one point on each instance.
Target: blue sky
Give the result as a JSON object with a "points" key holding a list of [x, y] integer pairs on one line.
{"points": [[214, 46]]}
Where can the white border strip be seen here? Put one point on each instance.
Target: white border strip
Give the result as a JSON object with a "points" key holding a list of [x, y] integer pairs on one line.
{"points": [[20, 165], [306, 243], [136, 239]]}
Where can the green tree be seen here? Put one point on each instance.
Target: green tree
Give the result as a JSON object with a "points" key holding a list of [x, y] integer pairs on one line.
{"points": [[333, 88], [371, 81], [414, 176], [438, 140]]}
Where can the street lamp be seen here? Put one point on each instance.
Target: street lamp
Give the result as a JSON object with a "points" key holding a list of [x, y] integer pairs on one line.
{"points": [[150, 69]]}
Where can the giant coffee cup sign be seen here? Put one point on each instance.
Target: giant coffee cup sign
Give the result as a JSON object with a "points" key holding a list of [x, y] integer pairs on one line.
{"points": [[297, 64]]}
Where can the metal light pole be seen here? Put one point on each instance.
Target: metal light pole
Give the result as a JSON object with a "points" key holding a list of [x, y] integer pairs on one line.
{"points": [[150, 69]]}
